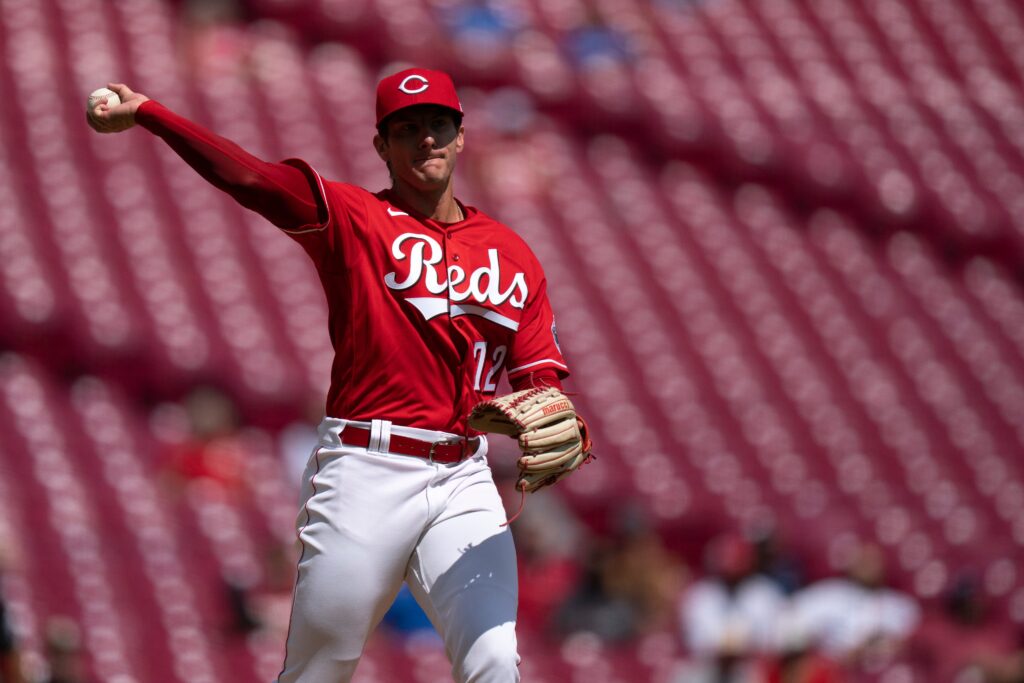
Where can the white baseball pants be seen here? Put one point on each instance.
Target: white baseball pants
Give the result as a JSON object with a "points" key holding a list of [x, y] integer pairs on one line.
{"points": [[371, 519]]}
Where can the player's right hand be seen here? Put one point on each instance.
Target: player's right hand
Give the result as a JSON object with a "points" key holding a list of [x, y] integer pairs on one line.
{"points": [[104, 119]]}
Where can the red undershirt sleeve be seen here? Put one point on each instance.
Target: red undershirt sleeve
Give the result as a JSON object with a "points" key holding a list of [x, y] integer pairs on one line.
{"points": [[545, 377], [281, 193]]}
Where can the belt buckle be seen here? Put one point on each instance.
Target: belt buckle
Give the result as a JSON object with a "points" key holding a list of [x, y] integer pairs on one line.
{"points": [[443, 442]]}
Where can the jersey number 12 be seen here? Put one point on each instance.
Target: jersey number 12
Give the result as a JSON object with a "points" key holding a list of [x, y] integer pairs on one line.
{"points": [[497, 360]]}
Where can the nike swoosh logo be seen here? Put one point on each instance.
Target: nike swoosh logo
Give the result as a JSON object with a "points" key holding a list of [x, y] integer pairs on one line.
{"points": [[394, 212]]}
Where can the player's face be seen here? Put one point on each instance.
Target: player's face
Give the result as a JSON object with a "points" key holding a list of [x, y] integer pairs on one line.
{"points": [[421, 146]]}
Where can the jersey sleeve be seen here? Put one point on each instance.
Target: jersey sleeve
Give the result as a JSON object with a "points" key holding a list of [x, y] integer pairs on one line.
{"points": [[545, 377], [535, 344], [327, 240], [278, 192]]}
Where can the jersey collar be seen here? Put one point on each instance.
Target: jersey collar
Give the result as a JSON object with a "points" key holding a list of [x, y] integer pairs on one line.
{"points": [[471, 213]]}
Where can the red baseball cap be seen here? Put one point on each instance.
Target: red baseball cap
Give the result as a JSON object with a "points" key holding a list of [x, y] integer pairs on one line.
{"points": [[415, 86]]}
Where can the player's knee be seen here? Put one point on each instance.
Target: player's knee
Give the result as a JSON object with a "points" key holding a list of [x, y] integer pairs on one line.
{"points": [[318, 667], [492, 658]]}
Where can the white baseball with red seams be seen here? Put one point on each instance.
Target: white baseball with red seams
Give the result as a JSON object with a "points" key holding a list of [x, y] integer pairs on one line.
{"points": [[96, 95]]}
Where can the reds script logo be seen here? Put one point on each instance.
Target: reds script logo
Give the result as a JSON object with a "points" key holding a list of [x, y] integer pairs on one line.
{"points": [[483, 285]]}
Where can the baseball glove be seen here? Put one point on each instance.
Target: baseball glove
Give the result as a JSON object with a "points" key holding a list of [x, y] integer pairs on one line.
{"points": [[552, 437]]}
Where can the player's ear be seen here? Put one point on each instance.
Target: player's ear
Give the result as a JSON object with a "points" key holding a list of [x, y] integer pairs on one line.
{"points": [[381, 145], [460, 139]]}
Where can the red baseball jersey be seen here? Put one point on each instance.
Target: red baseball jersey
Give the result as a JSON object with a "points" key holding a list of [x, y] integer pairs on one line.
{"points": [[424, 316]]}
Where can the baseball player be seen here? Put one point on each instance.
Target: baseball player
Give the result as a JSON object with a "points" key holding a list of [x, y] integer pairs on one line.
{"points": [[430, 301]]}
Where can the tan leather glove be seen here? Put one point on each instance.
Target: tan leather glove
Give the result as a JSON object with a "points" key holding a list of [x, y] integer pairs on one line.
{"points": [[552, 437]]}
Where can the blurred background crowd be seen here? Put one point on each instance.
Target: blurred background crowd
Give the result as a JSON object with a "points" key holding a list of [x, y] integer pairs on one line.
{"points": [[784, 241]]}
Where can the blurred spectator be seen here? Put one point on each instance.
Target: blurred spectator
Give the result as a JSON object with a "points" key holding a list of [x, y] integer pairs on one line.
{"points": [[207, 448], [962, 641], [490, 20], [481, 31], [405, 617], [772, 560], [10, 655], [647, 576], [549, 546], [10, 659], [268, 602], [298, 439], [1006, 669], [63, 652], [731, 615], [801, 666], [215, 41], [732, 609], [595, 44], [592, 607], [857, 618], [243, 612], [600, 54], [627, 586], [797, 660]]}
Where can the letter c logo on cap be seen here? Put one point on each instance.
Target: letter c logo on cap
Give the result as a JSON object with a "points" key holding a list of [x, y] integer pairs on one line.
{"points": [[404, 85]]}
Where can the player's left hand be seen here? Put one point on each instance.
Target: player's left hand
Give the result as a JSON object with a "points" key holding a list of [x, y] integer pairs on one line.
{"points": [[553, 438]]}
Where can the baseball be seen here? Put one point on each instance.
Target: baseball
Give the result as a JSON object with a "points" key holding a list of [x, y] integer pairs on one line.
{"points": [[96, 95]]}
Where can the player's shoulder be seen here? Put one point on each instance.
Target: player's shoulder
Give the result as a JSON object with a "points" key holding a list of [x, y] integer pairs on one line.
{"points": [[362, 205], [350, 192], [328, 188], [497, 229]]}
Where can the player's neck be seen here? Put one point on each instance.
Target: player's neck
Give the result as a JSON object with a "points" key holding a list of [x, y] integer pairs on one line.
{"points": [[438, 205]]}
